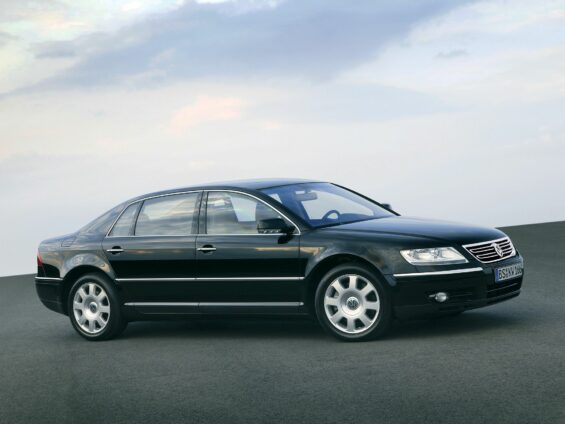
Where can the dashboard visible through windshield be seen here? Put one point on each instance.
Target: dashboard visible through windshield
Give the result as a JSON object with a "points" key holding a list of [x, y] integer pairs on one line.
{"points": [[324, 204]]}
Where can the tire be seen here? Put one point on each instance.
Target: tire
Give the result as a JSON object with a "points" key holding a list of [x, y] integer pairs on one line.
{"points": [[355, 299], [96, 314]]}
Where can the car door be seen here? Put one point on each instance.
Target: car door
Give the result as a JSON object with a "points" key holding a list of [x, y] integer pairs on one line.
{"points": [[151, 249], [239, 267]]}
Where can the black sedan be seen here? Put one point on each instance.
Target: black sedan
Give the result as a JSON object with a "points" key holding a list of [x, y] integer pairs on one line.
{"points": [[271, 247]]}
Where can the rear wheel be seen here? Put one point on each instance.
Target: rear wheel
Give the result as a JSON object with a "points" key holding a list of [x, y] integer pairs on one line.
{"points": [[352, 304], [94, 308]]}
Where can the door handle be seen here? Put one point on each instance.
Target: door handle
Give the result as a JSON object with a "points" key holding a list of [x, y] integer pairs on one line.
{"points": [[207, 248], [114, 250]]}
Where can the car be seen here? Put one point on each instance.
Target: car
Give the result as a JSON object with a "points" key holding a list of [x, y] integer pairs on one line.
{"points": [[273, 247]]}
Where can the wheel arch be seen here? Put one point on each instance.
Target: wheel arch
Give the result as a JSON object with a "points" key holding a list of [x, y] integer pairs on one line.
{"points": [[73, 275], [325, 265]]}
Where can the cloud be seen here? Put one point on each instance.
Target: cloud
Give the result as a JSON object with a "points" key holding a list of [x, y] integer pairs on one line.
{"points": [[54, 50], [6, 38], [206, 109], [452, 54], [14, 10], [312, 40], [345, 103]]}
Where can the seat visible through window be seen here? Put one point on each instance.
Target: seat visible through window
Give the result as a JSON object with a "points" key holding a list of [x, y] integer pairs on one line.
{"points": [[234, 213]]}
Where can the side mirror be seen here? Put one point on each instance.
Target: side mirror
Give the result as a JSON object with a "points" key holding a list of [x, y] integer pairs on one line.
{"points": [[274, 226], [386, 206]]}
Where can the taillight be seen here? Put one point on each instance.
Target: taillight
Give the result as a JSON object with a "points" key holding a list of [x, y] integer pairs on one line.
{"points": [[40, 269]]}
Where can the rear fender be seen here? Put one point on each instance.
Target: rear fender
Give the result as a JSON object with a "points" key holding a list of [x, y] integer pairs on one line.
{"points": [[96, 260]]}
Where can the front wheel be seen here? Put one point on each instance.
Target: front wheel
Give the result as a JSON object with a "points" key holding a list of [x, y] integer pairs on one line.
{"points": [[94, 308], [352, 304]]}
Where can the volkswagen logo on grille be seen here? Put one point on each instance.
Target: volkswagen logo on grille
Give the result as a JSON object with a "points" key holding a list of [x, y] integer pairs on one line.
{"points": [[498, 250]]}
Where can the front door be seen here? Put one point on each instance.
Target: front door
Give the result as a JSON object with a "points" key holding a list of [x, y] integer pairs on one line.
{"points": [[240, 268], [153, 253]]}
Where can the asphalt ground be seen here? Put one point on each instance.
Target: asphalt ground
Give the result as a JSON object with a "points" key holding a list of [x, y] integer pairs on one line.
{"points": [[501, 364]]}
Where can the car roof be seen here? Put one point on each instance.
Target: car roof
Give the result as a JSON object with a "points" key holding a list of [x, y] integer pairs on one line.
{"points": [[260, 183], [251, 184]]}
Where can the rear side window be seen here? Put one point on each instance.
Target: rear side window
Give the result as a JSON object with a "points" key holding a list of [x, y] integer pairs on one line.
{"points": [[123, 226], [167, 216], [102, 224]]}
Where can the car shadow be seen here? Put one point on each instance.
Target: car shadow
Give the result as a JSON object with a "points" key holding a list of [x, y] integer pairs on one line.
{"points": [[466, 323], [226, 328], [302, 328]]}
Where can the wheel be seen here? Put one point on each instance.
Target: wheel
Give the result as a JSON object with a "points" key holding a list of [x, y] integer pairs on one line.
{"points": [[94, 308], [352, 304]]}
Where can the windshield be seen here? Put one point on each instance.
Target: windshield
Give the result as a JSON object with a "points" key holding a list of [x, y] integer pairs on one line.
{"points": [[323, 204]]}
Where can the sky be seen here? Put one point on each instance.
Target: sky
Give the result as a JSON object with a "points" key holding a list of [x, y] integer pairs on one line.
{"points": [[445, 109]]}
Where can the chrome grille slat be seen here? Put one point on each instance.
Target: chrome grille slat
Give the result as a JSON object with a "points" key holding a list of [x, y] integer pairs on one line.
{"points": [[485, 252], [482, 249]]}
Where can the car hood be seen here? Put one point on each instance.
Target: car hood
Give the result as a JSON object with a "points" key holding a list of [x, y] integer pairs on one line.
{"points": [[452, 232]]}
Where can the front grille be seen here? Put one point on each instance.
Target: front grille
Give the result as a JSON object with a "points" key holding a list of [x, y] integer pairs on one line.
{"points": [[492, 251]]}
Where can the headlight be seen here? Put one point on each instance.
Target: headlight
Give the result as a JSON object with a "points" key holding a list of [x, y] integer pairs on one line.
{"points": [[433, 256]]}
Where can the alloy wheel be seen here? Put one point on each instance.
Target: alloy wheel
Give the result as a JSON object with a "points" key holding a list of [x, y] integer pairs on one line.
{"points": [[352, 303], [91, 308]]}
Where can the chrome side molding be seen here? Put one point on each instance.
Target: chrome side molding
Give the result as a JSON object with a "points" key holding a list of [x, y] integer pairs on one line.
{"points": [[219, 304], [431, 273], [121, 280], [49, 278]]}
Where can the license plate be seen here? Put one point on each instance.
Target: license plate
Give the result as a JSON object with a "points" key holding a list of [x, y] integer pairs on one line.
{"points": [[508, 272]]}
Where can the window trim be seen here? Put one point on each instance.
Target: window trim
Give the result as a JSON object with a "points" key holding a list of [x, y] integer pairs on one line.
{"points": [[195, 221], [203, 215], [200, 211]]}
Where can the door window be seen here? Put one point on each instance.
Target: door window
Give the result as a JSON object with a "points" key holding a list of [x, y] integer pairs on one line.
{"points": [[234, 213], [167, 216]]}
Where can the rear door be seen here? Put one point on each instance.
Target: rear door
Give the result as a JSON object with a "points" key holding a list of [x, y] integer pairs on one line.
{"points": [[239, 268], [152, 251]]}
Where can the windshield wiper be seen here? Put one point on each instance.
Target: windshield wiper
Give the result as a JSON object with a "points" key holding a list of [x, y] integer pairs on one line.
{"points": [[333, 224]]}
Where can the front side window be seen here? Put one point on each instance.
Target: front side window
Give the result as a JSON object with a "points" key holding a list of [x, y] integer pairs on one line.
{"points": [[167, 216], [234, 213], [322, 204], [123, 226]]}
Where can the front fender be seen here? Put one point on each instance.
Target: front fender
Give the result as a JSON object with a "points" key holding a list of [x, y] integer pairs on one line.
{"points": [[366, 252], [379, 250]]}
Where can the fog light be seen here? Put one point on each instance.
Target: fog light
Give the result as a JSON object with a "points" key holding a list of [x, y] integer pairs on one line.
{"points": [[441, 297]]}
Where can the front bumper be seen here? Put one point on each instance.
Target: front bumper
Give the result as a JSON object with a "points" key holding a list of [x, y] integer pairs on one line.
{"points": [[50, 293], [470, 290]]}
